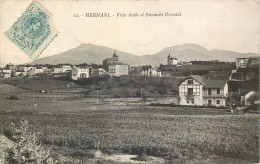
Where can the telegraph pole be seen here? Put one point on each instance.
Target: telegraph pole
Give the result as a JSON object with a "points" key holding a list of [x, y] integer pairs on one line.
{"points": [[141, 93], [97, 95], [33, 95]]}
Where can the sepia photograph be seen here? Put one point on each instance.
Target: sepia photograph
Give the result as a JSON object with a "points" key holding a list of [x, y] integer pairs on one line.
{"points": [[142, 82]]}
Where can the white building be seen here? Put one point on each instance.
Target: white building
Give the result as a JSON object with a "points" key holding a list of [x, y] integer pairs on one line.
{"points": [[6, 71], [245, 98], [80, 73], [99, 71], [148, 70], [118, 69], [5, 75], [19, 73], [171, 60], [38, 70], [242, 62], [66, 68], [28, 68], [57, 70], [195, 90]]}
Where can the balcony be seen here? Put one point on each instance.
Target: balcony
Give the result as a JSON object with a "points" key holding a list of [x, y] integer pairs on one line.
{"points": [[206, 95]]}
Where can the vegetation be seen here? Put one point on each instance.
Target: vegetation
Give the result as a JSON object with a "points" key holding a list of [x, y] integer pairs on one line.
{"points": [[132, 86], [148, 131], [28, 149], [198, 69], [38, 84]]}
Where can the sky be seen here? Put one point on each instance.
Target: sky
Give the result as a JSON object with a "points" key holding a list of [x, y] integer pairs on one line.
{"points": [[226, 25]]}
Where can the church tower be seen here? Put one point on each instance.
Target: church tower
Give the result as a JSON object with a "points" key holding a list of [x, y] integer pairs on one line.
{"points": [[169, 61], [115, 56]]}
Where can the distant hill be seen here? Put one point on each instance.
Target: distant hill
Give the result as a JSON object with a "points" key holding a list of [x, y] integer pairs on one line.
{"points": [[90, 53]]}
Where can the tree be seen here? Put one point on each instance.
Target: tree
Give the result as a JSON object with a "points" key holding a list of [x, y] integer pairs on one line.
{"points": [[28, 148]]}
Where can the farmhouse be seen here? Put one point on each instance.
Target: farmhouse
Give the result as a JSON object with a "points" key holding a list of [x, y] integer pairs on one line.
{"points": [[148, 70], [195, 90], [80, 72]]}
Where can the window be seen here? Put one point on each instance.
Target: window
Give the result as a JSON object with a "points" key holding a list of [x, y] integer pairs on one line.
{"points": [[209, 102], [188, 101], [195, 89], [190, 91], [209, 91], [192, 101], [218, 91], [190, 81], [218, 102]]}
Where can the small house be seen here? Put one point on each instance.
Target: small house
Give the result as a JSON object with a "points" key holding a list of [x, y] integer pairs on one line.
{"points": [[80, 72]]}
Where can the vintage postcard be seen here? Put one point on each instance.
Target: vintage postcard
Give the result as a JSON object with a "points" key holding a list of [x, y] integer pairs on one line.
{"points": [[129, 81]]}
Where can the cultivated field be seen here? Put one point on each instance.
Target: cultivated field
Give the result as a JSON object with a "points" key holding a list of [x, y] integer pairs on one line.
{"points": [[75, 126]]}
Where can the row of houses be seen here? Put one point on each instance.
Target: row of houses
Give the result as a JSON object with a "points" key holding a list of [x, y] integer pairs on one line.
{"points": [[111, 66], [30, 70]]}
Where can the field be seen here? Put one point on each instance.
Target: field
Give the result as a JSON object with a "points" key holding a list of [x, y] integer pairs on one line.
{"points": [[173, 134]]}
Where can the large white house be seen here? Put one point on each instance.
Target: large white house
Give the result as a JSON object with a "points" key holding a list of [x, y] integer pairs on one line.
{"points": [[118, 69], [195, 90], [66, 68], [80, 73], [148, 70], [114, 67]]}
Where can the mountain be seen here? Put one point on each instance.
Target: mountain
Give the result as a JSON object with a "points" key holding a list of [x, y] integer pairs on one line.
{"points": [[90, 53], [87, 53]]}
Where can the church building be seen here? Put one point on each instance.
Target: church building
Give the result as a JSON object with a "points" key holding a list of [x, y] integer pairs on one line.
{"points": [[171, 60]]}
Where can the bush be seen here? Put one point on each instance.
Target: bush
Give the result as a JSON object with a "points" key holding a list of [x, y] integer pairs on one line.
{"points": [[13, 97], [29, 150]]}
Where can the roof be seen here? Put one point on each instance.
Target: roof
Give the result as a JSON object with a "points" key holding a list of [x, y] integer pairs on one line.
{"points": [[206, 82], [117, 63], [146, 67], [214, 83], [101, 69], [110, 59], [5, 73], [242, 58], [115, 55], [197, 78], [82, 67], [169, 57]]}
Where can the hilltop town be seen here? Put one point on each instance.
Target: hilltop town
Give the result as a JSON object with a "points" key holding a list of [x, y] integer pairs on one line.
{"points": [[194, 83]]}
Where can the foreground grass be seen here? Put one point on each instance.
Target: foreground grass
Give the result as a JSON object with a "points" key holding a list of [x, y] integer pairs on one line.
{"points": [[156, 133]]}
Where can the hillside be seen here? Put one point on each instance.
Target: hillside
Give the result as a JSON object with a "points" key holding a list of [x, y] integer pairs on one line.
{"points": [[89, 53]]}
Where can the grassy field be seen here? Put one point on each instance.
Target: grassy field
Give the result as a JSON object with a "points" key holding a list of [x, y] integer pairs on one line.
{"points": [[176, 134], [37, 84]]}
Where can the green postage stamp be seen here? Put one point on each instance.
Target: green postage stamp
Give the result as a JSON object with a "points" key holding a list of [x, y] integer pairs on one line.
{"points": [[33, 31]]}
